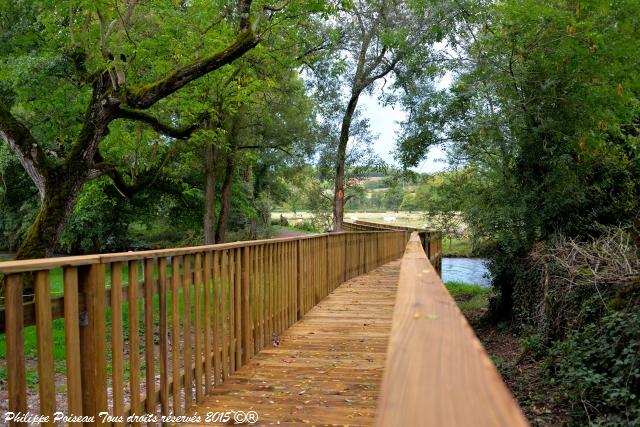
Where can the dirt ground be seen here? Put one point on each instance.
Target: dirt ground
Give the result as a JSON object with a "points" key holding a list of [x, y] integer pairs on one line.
{"points": [[542, 405]]}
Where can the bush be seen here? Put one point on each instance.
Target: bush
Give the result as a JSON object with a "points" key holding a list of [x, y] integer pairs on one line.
{"points": [[598, 367], [566, 283], [306, 225], [533, 346]]}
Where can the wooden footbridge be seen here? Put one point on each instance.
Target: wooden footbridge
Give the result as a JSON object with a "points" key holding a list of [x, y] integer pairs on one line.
{"points": [[350, 328]]}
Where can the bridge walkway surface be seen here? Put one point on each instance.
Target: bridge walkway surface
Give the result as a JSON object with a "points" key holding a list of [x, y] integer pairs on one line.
{"points": [[327, 368]]}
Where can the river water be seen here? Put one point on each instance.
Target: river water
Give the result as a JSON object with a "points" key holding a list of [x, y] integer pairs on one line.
{"points": [[468, 270]]}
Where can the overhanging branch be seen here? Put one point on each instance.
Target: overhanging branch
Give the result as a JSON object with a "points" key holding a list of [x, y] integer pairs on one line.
{"points": [[24, 145], [123, 187], [156, 125], [145, 97], [263, 147]]}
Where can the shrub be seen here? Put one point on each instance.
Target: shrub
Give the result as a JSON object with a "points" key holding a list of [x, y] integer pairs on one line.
{"points": [[306, 225], [598, 367], [569, 283]]}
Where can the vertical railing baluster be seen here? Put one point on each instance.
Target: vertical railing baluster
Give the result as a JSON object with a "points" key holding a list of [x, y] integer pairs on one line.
{"points": [[117, 338], [149, 343], [72, 341], [186, 326], [225, 320], [208, 354], [46, 380], [238, 309], [232, 310], [93, 336], [14, 326], [246, 307], [175, 335], [217, 303], [197, 327], [134, 340], [164, 338]]}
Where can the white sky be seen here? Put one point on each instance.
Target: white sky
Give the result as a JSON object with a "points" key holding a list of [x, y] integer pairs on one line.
{"points": [[384, 125]]}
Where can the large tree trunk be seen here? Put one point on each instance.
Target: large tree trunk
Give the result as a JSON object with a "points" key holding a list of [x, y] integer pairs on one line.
{"points": [[209, 195], [225, 203], [338, 195], [60, 197]]}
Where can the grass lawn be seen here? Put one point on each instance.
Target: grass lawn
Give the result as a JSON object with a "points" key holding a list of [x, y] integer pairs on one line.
{"points": [[469, 297], [456, 247], [288, 231], [58, 330]]}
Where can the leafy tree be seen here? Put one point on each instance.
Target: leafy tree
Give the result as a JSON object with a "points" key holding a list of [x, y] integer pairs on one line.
{"points": [[393, 197], [543, 116], [409, 202], [370, 42], [101, 62], [442, 196], [96, 70]]}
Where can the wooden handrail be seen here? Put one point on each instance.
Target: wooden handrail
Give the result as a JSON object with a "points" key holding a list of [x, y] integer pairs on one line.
{"points": [[437, 372], [431, 239], [222, 304], [27, 265], [394, 226]]}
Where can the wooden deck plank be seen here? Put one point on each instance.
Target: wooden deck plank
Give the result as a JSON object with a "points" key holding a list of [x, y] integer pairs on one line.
{"points": [[328, 367]]}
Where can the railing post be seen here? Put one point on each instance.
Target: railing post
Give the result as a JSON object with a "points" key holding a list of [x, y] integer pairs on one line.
{"points": [[246, 307], [299, 273], [93, 337], [14, 324], [72, 342], [326, 270]]}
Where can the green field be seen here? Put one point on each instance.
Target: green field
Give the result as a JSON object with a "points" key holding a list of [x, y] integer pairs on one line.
{"points": [[408, 219], [461, 247]]}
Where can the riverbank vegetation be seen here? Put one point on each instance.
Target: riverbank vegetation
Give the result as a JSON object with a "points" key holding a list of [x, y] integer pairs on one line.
{"points": [[543, 123]]}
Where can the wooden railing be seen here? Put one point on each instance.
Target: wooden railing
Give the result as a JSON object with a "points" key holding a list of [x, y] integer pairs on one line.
{"points": [[178, 322], [437, 372], [431, 239]]}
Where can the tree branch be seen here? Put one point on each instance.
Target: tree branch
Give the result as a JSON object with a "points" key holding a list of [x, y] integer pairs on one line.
{"points": [[124, 188], [259, 147], [145, 97], [155, 124], [26, 148], [376, 61], [384, 72]]}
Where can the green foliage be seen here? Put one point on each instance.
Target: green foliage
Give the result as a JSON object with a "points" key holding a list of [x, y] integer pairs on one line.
{"points": [[462, 247], [307, 225], [18, 201], [543, 115], [533, 345], [97, 223], [393, 198], [599, 368], [443, 196], [462, 288]]}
